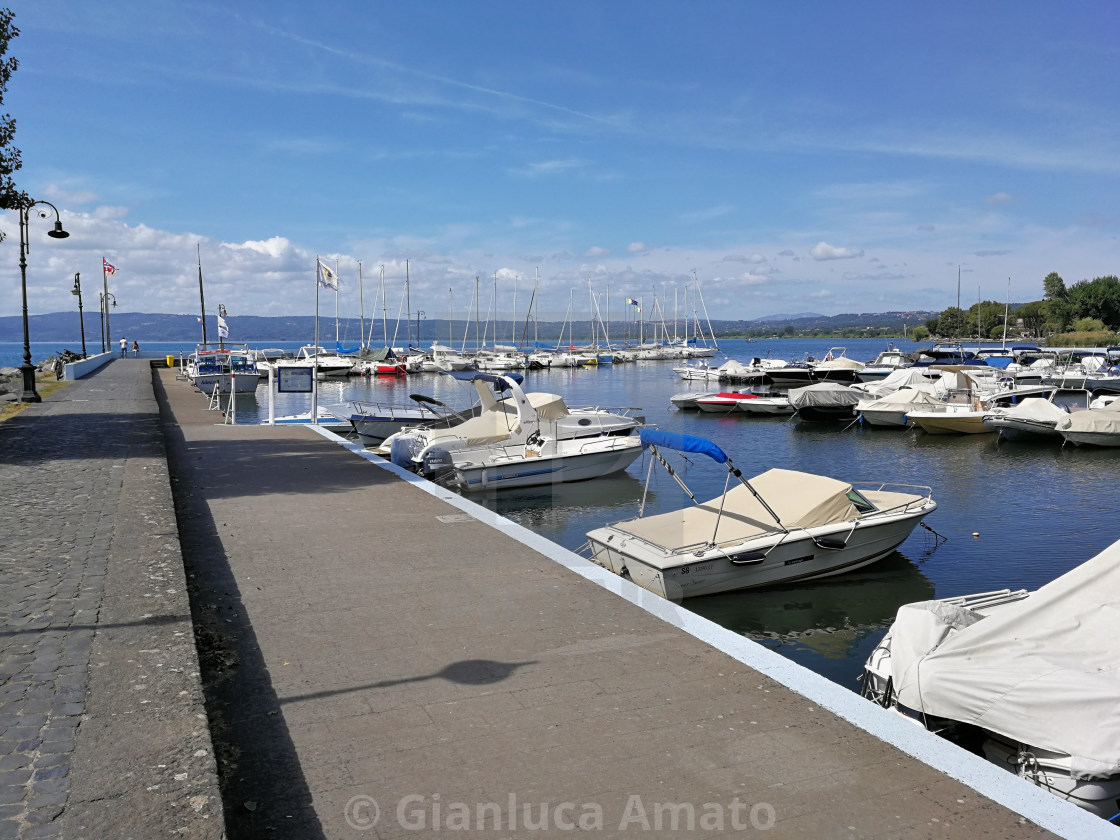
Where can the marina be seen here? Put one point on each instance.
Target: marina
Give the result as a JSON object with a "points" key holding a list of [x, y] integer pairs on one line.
{"points": [[1012, 512]]}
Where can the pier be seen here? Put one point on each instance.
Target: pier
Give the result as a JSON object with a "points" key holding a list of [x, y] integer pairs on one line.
{"points": [[380, 658]]}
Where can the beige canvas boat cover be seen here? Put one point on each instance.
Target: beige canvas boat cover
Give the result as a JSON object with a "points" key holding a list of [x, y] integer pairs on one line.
{"points": [[548, 406], [900, 398], [904, 378], [1044, 671], [1103, 420], [801, 500], [841, 363]]}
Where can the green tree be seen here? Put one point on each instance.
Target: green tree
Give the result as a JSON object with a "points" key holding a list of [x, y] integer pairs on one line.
{"points": [[952, 323], [919, 333], [931, 326], [1033, 316], [10, 161], [1053, 287], [1098, 298]]}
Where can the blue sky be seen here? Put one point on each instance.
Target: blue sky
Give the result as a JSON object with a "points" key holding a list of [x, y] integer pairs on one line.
{"points": [[796, 156]]}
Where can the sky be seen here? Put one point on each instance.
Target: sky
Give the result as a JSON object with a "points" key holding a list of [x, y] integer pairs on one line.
{"points": [[783, 157]]}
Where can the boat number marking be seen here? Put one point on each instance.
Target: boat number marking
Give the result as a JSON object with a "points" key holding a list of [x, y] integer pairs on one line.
{"points": [[700, 567], [793, 560]]}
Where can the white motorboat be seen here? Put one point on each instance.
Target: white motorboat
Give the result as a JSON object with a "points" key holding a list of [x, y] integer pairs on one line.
{"points": [[968, 399], [686, 400], [768, 404], [522, 440], [373, 422], [1030, 419], [778, 527], [837, 367], [890, 360], [1094, 427], [723, 402], [892, 409], [326, 364], [1027, 680], [447, 359], [229, 368]]}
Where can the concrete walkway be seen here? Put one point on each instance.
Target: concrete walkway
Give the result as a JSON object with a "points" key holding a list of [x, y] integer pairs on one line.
{"points": [[102, 727], [380, 664]]}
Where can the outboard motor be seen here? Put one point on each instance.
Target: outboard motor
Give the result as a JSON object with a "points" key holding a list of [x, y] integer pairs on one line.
{"points": [[437, 465], [400, 453]]}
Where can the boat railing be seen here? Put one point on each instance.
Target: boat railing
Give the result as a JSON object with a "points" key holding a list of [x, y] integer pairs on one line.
{"points": [[924, 494]]}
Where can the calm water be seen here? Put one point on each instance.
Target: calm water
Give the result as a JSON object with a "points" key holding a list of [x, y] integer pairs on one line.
{"points": [[1039, 509]]}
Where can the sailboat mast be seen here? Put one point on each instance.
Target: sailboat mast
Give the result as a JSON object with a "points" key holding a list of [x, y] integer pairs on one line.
{"points": [[361, 305], [408, 303], [384, 309], [1006, 309], [450, 318], [201, 297]]}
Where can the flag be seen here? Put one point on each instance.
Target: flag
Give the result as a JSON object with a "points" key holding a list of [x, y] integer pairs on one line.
{"points": [[631, 301], [221, 311], [223, 329], [199, 320], [327, 277], [108, 269]]}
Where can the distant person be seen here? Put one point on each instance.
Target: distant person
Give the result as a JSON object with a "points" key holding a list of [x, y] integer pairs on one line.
{"points": [[136, 349], [124, 347]]}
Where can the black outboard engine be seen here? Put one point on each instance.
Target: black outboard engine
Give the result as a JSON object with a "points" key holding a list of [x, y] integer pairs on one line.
{"points": [[438, 465]]}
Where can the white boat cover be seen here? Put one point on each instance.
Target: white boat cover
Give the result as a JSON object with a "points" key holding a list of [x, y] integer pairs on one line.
{"points": [[1036, 411], [548, 406], [1105, 421], [1044, 671], [904, 378], [801, 500], [897, 400], [823, 394]]}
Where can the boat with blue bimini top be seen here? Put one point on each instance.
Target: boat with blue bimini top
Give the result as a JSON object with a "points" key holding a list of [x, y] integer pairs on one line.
{"points": [[779, 527]]}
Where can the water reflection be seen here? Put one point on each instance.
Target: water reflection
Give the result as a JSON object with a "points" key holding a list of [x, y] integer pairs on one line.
{"points": [[829, 617]]}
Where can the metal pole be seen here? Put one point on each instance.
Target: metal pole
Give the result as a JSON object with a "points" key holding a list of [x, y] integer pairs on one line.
{"points": [[29, 395], [81, 316], [105, 283], [101, 315]]}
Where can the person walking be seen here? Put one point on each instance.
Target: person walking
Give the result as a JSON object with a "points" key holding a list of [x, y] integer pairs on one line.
{"points": [[124, 347], [136, 349]]}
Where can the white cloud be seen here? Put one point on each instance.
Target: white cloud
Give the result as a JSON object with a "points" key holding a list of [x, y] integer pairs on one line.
{"points": [[999, 198], [824, 251], [595, 252], [636, 247]]}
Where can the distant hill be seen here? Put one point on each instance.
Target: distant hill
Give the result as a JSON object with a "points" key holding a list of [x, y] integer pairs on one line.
{"points": [[63, 327]]}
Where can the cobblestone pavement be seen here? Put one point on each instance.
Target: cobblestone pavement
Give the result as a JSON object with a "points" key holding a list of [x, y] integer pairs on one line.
{"points": [[101, 725]]}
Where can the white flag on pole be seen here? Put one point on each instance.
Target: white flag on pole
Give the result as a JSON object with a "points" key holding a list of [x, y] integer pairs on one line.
{"points": [[223, 328], [327, 277]]}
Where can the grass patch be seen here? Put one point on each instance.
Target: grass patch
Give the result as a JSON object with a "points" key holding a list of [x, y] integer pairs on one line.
{"points": [[45, 385]]}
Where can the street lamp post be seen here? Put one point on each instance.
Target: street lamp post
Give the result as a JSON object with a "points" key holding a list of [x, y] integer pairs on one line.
{"points": [[30, 395], [77, 290]]}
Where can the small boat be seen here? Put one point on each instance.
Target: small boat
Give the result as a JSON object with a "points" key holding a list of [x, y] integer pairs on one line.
{"points": [[1031, 419], [522, 440], [373, 422], [892, 409], [778, 527], [327, 365], [769, 404], [723, 402], [228, 368], [1094, 427], [883, 365], [686, 400], [824, 401], [1028, 680], [837, 367]]}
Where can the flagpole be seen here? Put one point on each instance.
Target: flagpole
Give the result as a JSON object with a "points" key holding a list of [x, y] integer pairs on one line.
{"points": [[336, 284], [105, 298], [317, 272], [315, 353]]}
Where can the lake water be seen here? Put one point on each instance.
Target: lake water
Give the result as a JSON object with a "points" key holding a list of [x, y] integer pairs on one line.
{"points": [[1039, 509]]}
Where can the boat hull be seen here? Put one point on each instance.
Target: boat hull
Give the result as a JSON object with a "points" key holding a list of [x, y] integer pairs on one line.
{"points": [[713, 570], [950, 423], [509, 467]]}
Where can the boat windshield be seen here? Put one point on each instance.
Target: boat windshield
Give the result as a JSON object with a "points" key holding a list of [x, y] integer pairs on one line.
{"points": [[860, 501]]}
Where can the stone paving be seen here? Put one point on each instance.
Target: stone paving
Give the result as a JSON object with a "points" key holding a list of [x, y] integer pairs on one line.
{"points": [[102, 727]]}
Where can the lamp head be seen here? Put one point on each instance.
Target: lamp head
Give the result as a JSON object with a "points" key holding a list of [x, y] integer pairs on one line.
{"points": [[58, 232]]}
